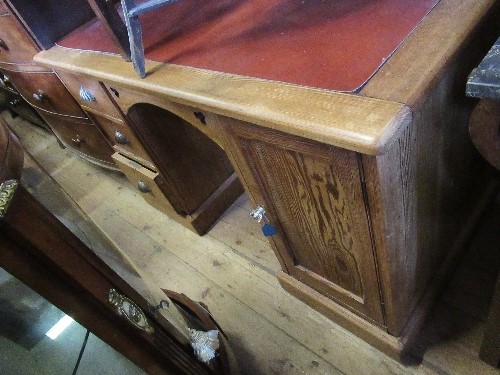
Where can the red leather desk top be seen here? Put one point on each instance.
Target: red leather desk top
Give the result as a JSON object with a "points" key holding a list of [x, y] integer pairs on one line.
{"points": [[330, 44]]}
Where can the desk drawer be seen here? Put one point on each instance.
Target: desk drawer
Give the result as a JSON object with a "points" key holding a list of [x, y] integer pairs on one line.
{"points": [[44, 91], [91, 95], [123, 140], [16, 46], [145, 181], [82, 136]]}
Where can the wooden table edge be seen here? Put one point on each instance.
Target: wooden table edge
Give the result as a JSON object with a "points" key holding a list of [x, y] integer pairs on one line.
{"points": [[353, 122]]}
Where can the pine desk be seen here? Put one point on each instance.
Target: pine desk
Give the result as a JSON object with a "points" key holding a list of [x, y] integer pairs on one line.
{"points": [[348, 127]]}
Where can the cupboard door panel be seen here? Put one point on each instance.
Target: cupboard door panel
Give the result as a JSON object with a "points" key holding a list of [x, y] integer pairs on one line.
{"points": [[314, 195]]}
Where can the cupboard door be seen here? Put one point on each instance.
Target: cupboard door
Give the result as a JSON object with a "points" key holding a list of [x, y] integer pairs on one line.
{"points": [[313, 195]]}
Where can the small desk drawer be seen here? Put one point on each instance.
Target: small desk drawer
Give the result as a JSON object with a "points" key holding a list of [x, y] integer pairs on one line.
{"points": [[145, 181], [44, 90], [16, 45], [123, 139], [82, 136], [90, 94]]}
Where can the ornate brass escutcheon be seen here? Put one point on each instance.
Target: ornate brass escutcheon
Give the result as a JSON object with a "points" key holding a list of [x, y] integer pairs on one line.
{"points": [[128, 309]]}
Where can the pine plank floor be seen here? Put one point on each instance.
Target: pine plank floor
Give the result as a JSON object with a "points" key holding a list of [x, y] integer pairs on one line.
{"points": [[231, 269]]}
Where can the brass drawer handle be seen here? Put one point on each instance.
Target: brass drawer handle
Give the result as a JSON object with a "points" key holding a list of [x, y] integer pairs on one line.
{"points": [[3, 45], [39, 96], [86, 95], [129, 310], [143, 187], [120, 138]]}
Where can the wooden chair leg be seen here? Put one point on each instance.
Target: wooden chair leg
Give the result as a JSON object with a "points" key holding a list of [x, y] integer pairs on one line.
{"points": [[490, 347]]}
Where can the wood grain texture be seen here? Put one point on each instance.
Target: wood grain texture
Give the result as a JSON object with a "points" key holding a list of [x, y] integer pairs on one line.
{"points": [[314, 197], [192, 115], [57, 107], [76, 268], [356, 123], [421, 194], [270, 330], [381, 340]]}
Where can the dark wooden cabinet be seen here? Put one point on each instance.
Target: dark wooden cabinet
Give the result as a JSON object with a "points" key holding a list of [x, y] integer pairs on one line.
{"points": [[41, 87]]}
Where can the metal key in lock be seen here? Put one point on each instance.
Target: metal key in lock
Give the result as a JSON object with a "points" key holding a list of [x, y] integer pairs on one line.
{"points": [[259, 215]]}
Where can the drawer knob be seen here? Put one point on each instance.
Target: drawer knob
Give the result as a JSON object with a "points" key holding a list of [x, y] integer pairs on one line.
{"points": [[143, 187], [77, 141], [3, 45], [15, 102], [5, 80], [39, 96], [120, 138], [86, 95]]}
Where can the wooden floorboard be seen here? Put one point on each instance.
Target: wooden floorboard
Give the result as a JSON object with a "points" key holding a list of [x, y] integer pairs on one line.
{"points": [[231, 269]]}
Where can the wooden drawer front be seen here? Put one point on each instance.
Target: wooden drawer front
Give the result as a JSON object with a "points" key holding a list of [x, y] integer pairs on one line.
{"points": [[90, 94], [46, 92], [145, 181], [123, 140], [82, 136], [16, 46]]}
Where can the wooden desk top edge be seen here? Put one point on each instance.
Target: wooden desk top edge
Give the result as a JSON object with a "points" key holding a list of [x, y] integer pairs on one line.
{"points": [[353, 122]]}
